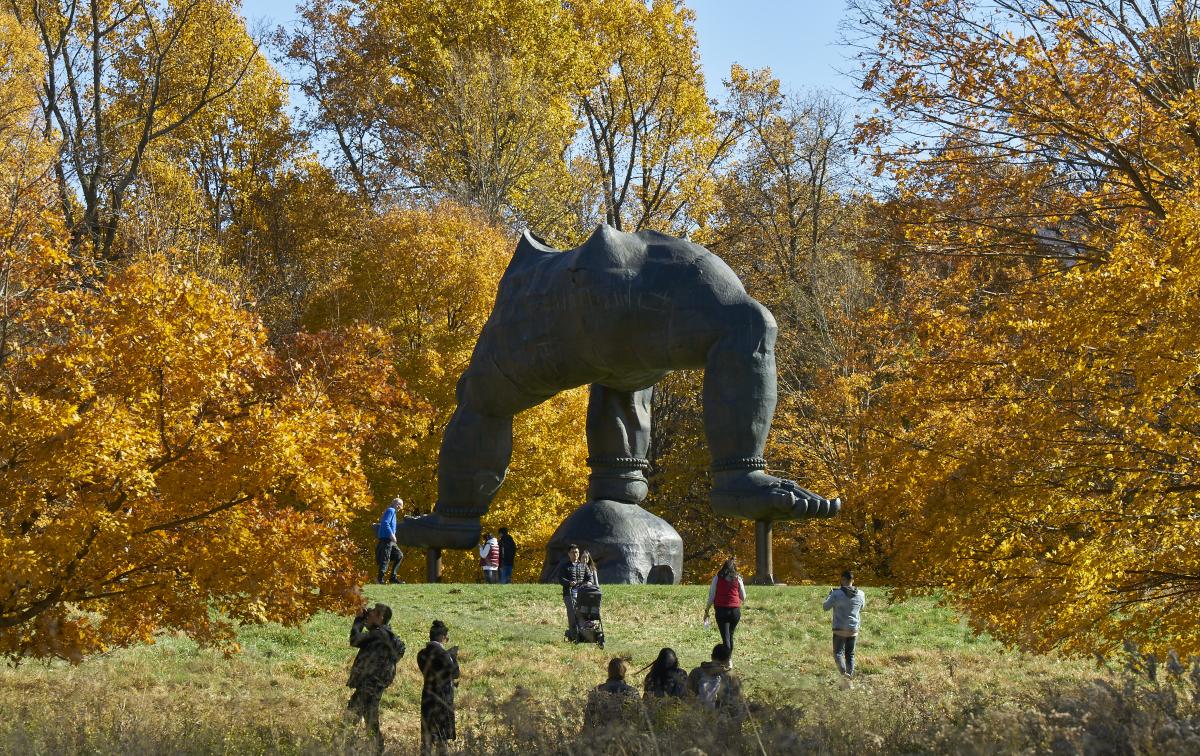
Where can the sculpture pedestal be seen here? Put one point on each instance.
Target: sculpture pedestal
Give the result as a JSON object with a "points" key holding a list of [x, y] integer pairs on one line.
{"points": [[764, 559], [433, 565], [629, 544]]}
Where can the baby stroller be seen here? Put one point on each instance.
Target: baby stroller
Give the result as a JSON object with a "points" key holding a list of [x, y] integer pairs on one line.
{"points": [[587, 616]]}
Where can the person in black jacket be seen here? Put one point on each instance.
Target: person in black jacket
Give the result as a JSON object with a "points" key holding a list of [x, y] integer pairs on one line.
{"points": [[665, 679], [508, 555], [374, 667], [439, 667], [612, 702], [571, 574]]}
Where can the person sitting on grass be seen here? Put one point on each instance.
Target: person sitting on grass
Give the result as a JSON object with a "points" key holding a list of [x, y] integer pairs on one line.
{"points": [[610, 702], [374, 667], [439, 668], [715, 687], [665, 679]]}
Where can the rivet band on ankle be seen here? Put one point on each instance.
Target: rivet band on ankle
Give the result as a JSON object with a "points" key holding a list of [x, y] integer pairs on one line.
{"points": [[633, 463], [740, 463], [446, 511]]}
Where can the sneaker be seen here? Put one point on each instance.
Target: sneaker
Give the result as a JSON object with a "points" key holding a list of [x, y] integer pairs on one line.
{"points": [[847, 681]]}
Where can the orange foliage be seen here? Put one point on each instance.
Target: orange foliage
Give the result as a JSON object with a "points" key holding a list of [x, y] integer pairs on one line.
{"points": [[158, 463], [1043, 436]]}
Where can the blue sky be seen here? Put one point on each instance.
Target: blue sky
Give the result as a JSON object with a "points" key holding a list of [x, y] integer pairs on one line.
{"points": [[797, 39]]}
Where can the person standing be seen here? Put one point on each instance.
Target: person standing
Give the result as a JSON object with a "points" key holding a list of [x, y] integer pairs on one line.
{"points": [[593, 571], [571, 574], [489, 558], [386, 551], [374, 667], [727, 592], [508, 555], [847, 603], [439, 668]]}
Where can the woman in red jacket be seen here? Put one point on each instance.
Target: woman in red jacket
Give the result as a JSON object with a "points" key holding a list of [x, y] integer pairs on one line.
{"points": [[727, 592]]}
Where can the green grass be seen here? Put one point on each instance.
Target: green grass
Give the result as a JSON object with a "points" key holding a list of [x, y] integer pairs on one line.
{"points": [[921, 671]]}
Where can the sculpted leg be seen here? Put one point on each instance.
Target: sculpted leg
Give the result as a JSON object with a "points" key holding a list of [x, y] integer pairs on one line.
{"points": [[618, 435], [476, 449], [739, 403]]}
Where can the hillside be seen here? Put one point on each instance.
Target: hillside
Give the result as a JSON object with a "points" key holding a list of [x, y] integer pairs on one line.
{"points": [[922, 674]]}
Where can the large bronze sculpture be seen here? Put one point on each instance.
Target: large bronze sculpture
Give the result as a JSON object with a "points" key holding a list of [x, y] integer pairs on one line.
{"points": [[619, 313]]}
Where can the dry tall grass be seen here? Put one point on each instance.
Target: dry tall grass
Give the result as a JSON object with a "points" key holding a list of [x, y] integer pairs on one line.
{"points": [[926, 685]]}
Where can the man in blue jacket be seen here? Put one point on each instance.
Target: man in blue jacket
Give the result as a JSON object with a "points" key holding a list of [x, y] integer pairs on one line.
{"points": [[387, 553], [847, 603]]}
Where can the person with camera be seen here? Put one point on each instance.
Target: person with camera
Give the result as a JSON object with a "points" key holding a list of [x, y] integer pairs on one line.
{"points": [[847, 603], [374, 667], [439, 668]]}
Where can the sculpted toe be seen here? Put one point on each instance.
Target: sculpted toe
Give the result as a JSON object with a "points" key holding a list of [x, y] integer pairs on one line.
{"points": [[758, 496], [434, 531]]}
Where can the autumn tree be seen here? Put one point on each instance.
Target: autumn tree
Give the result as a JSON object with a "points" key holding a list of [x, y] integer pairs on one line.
{"points": [[157, 459], [651, 139], [117, 78], [1044, 158], [789, 219], [447, 100]]}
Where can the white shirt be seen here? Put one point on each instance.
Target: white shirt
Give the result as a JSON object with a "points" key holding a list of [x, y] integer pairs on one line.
{"points": [[712, 588]]}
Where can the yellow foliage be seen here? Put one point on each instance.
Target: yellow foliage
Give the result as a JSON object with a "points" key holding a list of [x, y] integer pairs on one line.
{"points": [[1042, 438], [159, 463], [650, 133], [428, 279]]}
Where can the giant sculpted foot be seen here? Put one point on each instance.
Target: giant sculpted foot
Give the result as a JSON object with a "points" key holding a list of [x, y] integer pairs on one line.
{"points": [[434, 531], [755, 495]]}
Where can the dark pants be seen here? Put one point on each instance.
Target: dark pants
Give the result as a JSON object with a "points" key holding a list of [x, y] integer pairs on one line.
{"points": [[844, 647], [727, 622], [491, 576], [387, 553], [572, 623], [506, 573], [365, 706]]}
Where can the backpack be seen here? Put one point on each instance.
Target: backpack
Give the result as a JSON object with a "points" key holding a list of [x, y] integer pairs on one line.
{"points": [[395, 652], [709, 690]]}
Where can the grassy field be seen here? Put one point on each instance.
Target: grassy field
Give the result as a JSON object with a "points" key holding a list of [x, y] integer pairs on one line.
{"points": [[926, 682]]}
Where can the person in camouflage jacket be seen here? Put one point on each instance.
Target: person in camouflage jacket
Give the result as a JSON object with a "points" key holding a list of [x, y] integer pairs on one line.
{"points": [[374, 667], [439, 668]]}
